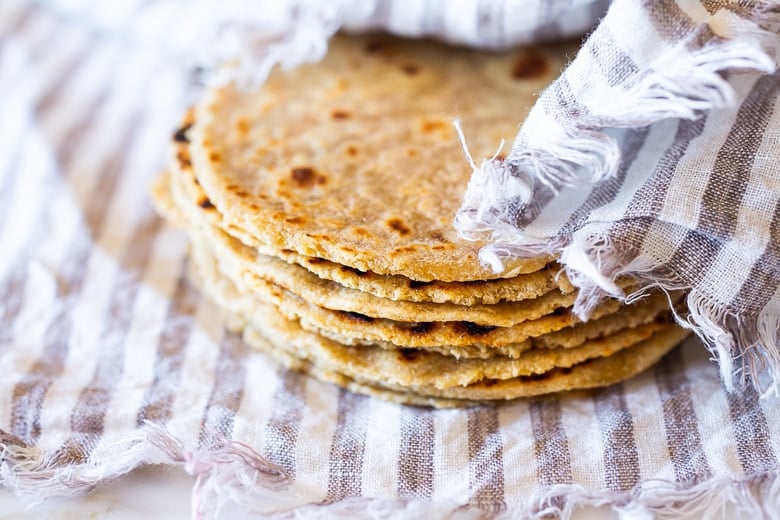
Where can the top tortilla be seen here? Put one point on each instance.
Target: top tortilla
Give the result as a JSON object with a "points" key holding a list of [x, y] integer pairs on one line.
{"points": [[355, 159]]}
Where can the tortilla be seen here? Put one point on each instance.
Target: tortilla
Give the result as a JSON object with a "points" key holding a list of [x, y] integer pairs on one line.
{"points": [[189, 195], [355, 159]]}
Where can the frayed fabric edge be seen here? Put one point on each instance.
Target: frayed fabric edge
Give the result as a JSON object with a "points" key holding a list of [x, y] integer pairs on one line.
{"points": [[746, 347], [681, 85], [235, 474]]}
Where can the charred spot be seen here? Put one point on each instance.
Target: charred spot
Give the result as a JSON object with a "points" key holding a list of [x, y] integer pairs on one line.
{"points": [[409, 354], [397, 225], [538, 377], [472, 329], [357, 316], [303, 176], [423, 327], [410, 69], [416, 284], [374, 46], [215, 157], [295, 220], [180, 136], [530, 64], [314, 260], [205, 203], [348, 269], [340, 114]]}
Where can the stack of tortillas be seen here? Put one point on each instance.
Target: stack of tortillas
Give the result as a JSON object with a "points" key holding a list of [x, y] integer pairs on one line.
{"points": [[320, 210]]}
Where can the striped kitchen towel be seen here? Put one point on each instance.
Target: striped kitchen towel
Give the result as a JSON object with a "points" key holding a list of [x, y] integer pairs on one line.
{"points": [[111, 359], [656, 154]]}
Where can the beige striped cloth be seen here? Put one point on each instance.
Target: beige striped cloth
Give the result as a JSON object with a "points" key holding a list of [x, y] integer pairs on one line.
{"points": [[110, 359]]}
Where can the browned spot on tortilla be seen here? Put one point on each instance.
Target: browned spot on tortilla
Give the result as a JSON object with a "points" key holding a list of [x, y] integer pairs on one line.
{"points": [[242, 126], [295, 220], [340, 114], [437, 235], [357, 316], [409, 354], [287, 251], [352, 151], [397, 225], [205, 203], [416, 284], [314, 260], [423, 327], [431, 126], [215, 157], [442, 247], [322, 179], [472, 329], [303, 176], [254, 207], [530, 64], [361, 231], [411, 152], [347, 249], [410, 69], [183, 159]]}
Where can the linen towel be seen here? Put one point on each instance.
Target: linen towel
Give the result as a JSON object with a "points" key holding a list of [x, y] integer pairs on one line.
{"points": [[655, 155], [111, 359]]}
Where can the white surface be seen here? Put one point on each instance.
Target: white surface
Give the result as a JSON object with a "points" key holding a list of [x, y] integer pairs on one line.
{"points": [[152, 492]]}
